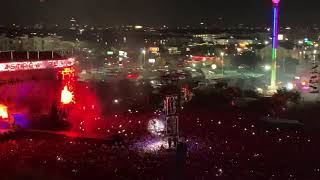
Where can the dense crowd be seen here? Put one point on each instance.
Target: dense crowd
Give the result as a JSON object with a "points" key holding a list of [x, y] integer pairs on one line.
{"points": [[220, 146], [223, 142]]}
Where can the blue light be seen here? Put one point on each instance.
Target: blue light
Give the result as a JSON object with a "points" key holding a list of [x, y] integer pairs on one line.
{"points": [[4, 125], [274, 27], [21, 120]]}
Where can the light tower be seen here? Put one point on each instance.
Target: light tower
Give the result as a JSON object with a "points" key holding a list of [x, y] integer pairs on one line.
{"points": [[275, 10]]}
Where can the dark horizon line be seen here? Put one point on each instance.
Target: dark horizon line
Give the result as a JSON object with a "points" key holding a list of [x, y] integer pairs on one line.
{"points": [[158, 25]]}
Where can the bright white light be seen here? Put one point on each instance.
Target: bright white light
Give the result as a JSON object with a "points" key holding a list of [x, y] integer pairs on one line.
{"points": [[66, 96], [138, 27], [156, 127], [194, 65], [123, 54], [143, 52], [290, 86], [213, 66], [222, 54], [267, 67], [152, 61], [260, 90], [116, 101], [280, 37]]}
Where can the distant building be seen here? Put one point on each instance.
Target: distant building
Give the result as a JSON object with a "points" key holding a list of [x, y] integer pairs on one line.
{"points": [[226, 38], [209, 37], [285, 50], [26, 43], [6, 43]]}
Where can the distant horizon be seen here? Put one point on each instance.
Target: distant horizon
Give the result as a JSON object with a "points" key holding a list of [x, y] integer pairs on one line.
{"points": [[195, 26]]}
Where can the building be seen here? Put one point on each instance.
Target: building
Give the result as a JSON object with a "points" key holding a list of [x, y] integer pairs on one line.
{"points": [[284, 51], [35, 43], [227, 38]]}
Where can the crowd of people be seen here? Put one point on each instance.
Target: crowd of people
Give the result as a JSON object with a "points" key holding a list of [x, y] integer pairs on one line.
{"points": [[220, 146], [223, 142]]}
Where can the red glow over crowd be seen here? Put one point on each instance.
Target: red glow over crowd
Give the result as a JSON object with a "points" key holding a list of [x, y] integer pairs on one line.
{"points": [[223, 142]]}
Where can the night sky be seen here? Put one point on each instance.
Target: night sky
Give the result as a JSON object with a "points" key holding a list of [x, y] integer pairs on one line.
{"points": [[156, 12]]}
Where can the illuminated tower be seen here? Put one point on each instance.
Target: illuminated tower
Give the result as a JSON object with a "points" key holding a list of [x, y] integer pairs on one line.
{"points": [[275, 28]]}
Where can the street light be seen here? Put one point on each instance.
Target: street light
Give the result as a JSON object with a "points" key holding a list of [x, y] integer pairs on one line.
{"points": [[144, 57], [213, 66], [116, 101], [290, 86], [222, 62], [267, 67]]}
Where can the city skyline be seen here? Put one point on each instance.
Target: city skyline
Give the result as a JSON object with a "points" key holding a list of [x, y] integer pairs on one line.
{"points": [[156, 12]]}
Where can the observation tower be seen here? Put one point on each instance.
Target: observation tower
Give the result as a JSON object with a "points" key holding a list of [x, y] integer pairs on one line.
{"points": [[275, 18]]}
